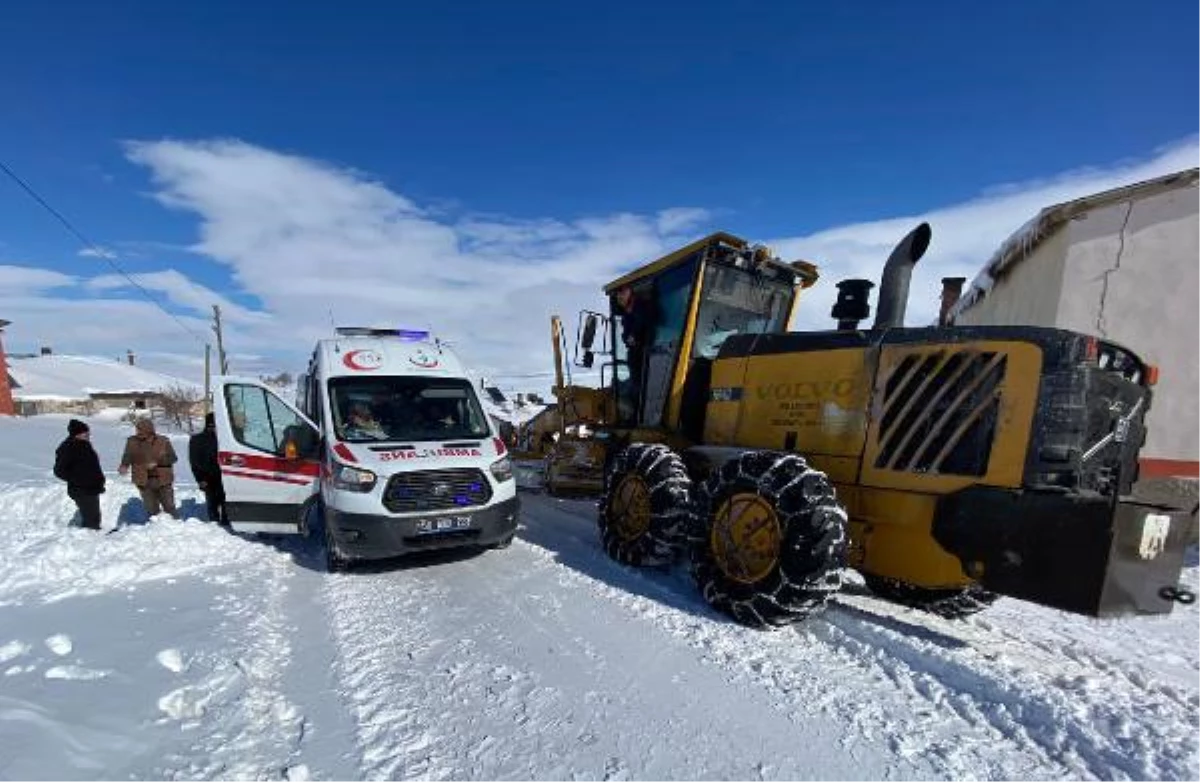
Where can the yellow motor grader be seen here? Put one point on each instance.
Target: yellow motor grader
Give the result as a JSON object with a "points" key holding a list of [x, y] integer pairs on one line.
{"points": [[947, 465]]}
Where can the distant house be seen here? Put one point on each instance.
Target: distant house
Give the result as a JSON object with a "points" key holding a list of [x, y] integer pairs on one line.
{"points": [[508, 415], [1121, 265], [83, 385]]}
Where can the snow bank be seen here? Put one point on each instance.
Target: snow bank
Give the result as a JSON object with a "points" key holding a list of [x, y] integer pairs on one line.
{"points": [[48, 560], [53, 562]]}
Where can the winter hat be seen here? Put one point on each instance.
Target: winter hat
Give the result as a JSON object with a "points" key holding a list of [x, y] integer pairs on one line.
{"points": [[76, 427]]}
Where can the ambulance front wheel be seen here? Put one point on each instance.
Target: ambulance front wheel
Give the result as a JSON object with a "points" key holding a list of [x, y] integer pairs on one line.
{"points": [[313, 509]]}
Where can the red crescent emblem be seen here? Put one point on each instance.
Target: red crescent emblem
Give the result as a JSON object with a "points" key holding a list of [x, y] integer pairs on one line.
{"points": [[362, 360]]}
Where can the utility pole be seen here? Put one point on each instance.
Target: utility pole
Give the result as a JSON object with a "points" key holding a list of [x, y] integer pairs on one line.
{"points": [[221, 360], [207, 378]]}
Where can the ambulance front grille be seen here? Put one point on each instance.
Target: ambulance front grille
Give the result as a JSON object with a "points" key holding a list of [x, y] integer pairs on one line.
{"points": [[431, 490]]}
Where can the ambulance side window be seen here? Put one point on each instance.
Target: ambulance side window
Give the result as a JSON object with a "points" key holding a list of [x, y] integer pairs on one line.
{"points": [[284, 425], [260, 420], [248, 417]]}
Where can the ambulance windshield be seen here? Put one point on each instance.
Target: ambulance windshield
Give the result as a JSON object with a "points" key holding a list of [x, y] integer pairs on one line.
{"points": [[405, 409]]}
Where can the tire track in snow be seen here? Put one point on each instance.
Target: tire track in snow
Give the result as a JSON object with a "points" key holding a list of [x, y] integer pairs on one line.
{"points": [[433, 697], [1045, 646], [381, 635], [961, 708], [490, 667], [803, 670], [1077, 722]]}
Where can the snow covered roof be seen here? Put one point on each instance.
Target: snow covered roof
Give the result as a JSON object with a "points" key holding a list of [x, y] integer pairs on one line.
{"points": [[80, 377], [1021, 244], [517, 415]]}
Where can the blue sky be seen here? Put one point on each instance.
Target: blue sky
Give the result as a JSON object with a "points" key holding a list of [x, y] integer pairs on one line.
{"points": [[553, 120]]}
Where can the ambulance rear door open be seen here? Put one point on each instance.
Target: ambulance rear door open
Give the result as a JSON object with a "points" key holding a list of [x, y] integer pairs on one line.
{"points": [[269, 455]]}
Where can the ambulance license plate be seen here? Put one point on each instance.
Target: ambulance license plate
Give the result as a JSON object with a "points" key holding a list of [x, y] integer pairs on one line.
{"points": [[444, 524]]}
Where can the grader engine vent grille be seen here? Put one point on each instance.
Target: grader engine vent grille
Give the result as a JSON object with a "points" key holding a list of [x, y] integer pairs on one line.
{"points": [[939, 412]]}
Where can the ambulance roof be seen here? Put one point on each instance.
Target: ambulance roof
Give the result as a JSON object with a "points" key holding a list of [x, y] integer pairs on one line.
{"points": [[399, 353]]}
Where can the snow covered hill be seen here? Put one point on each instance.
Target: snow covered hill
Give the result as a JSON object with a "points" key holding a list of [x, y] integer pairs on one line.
{"points": [[170, 649]]}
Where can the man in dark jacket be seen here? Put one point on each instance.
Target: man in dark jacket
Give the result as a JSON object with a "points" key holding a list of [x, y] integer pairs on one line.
{"points": [[76, 462], [202, 453]]}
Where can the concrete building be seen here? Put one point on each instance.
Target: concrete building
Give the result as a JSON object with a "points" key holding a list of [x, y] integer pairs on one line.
{"points": [[1121, 265]]}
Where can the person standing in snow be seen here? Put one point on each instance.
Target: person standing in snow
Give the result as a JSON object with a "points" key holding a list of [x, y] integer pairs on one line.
{"points": [[76, 463], [152, 459], [202, 455]]}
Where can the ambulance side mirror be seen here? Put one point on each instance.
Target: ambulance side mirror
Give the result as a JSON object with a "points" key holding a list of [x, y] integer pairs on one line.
{"points": [[301, 442]]}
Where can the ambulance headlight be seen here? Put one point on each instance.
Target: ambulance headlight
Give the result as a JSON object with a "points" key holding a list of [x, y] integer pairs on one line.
{"points": [[352, 479], [502, 469]]}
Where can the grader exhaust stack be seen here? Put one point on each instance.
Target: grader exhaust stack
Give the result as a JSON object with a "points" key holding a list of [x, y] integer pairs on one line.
{"points": [[897, 272]]}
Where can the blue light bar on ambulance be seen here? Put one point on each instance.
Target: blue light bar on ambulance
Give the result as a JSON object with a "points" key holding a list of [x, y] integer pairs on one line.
{"points": [[409, 335]]}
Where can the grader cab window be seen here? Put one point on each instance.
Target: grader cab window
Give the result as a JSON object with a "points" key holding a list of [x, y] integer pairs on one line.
{"points": [[671, 295], [736, 301], [732, 301]]}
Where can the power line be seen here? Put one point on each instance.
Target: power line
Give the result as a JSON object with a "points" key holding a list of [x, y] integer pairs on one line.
{"points": [[99, 252], [518, 376], [532, 375]]}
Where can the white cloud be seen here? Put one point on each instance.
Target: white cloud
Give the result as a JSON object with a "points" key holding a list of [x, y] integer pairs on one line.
{"points": [[306, 238], [106, 327], [682, 219], [27, 279], [964, 235], [97, 252], [181, 291], [109, 327]]}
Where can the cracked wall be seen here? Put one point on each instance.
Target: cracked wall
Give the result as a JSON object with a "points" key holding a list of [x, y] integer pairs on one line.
{"points": [[1131, 275], [1128, 272]]}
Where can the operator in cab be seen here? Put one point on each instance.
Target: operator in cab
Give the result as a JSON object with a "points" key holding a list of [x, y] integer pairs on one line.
{"points": [[637, 324]]}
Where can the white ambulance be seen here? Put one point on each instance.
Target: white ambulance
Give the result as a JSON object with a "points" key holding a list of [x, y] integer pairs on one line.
{"points": [[388, 439]]}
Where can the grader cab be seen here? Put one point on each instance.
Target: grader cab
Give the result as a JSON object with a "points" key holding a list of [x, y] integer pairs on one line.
{"points": [[947, 465]]}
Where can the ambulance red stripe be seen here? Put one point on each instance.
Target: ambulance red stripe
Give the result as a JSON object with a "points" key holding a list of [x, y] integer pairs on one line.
{"points": [[264, 477], [270, 464]]}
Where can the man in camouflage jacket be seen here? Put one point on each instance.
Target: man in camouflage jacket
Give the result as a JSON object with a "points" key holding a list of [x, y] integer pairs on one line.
{"points": [[152, 459]]}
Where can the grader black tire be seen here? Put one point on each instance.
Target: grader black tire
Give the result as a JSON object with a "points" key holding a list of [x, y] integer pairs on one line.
{"points": [[946, 603], [646, 506], [803, 561]]}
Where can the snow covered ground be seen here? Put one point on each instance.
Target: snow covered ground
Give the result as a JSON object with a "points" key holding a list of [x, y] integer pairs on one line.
{"points": [[170, 649]]}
